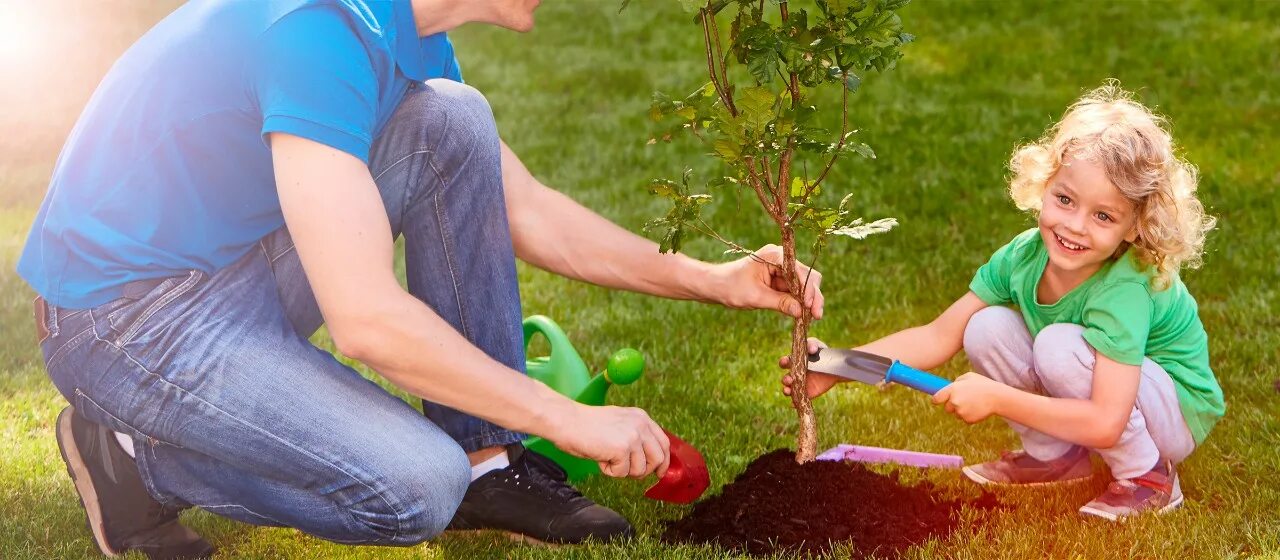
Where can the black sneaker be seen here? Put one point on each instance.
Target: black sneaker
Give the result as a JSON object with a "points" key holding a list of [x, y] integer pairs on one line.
{"points": [[531, 501], [121, 513]]}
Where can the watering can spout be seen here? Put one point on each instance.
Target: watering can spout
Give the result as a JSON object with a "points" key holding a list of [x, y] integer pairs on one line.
{"points": [[625, 367]]}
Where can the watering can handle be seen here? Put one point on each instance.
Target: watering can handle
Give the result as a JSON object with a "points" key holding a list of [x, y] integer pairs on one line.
{"points": [[541, 324], [563, 369]]}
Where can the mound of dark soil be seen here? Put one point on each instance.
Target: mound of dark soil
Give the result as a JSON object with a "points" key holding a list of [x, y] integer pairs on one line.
{"points": [[778, 505]]}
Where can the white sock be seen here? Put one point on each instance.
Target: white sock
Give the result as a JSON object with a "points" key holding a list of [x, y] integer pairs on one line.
{"points": [[494, 463], [126, 442]]}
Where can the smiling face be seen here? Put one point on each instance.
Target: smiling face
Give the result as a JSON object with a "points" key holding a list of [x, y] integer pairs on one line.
{"points": [[1083, 218]]}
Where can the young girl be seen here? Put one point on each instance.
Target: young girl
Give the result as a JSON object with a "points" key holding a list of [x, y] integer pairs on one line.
{"points": [[1083, 336]]}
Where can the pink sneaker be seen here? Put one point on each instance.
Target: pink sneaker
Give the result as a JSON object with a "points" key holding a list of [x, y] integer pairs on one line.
{"points": [[1157, 490], [1020, 469]]}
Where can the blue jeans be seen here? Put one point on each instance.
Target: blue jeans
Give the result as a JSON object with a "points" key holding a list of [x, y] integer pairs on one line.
{"points": [[233, 410]]}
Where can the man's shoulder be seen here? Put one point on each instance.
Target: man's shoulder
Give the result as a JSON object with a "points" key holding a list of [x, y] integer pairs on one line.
{"points": [[244, 20]]}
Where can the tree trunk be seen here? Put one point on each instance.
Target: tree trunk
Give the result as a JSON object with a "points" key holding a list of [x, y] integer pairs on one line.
{"points": [[807, 437]]}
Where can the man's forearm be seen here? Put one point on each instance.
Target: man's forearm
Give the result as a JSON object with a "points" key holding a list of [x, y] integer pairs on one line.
{"points": [[555, 233], [404, 341]]}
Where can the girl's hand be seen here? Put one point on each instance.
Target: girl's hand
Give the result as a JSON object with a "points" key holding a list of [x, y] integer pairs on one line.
{"points": [[817, 383], [971, 397]]}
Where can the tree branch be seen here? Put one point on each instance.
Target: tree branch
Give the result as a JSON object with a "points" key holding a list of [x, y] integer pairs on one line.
{"points": [[707, 231], [758, 185], [844, 130], [708, 21], [784, 163], [724, 76]]}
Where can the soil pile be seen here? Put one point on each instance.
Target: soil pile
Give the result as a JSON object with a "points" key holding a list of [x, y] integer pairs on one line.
{"points": [[777, 505]]}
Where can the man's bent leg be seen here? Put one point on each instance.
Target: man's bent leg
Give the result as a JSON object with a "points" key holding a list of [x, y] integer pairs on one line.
{"points": [[438, 168], [234, 412]]}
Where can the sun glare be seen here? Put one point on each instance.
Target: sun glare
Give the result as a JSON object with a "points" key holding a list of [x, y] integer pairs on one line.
{"points": [[17, 37]]}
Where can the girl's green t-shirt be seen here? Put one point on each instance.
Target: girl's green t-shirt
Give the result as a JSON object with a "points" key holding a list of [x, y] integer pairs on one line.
{"points": [[1124, 318]]}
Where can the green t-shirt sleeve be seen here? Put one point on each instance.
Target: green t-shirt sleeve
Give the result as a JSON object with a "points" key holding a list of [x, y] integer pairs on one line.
{"points": [[991, 282], [1117, 320]]}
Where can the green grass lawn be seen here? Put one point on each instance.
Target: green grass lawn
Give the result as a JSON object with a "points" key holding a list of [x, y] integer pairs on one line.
{"points": [[571, 97]]}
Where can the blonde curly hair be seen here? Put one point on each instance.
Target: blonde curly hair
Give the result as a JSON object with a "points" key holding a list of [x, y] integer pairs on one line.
{"points": [[1131, 144]]}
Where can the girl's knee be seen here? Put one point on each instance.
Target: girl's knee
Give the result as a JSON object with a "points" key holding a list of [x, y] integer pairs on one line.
{"points": [[989, 329], [1063, 361], [1061, 343]]}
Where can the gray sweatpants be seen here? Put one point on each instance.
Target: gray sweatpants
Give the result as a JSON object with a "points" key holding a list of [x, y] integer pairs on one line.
{"points": [[1059, 363]]}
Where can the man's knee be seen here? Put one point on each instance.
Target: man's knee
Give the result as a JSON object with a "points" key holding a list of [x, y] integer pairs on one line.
{"points": [[466, 111], [419, 500], [1063, 360], [989, 330]]}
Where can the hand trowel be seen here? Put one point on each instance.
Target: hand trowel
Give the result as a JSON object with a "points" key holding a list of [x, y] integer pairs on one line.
{"points": [[686, 477], [873, 369]]}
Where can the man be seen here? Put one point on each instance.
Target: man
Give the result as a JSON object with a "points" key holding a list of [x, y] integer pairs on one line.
{"points": [[237, 180]]}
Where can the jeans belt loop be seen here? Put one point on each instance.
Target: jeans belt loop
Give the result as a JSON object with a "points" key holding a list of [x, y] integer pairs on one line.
{"points": [[42, 311]]}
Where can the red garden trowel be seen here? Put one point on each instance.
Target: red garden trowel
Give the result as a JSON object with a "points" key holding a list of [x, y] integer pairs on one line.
{"points": [[686, 477], [873, 369]]}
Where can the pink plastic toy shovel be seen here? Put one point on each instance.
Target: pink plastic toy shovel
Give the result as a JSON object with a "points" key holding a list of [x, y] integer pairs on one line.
{"points": [[864, 454]]}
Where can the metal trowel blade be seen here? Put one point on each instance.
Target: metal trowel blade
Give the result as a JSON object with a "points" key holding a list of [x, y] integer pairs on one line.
{"points": [[850, 364]]}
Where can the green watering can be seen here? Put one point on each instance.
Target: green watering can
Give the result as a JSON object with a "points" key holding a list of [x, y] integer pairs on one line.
{"points": [[565, 372]]}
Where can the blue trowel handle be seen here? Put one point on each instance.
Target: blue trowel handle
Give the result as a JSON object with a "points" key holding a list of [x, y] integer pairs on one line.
{"points": [[904, 374]]}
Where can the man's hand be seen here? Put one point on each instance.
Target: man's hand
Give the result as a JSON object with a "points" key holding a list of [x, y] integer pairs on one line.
{"points": [[748, 283], [816, 383], [624, 441], [971, 397]]}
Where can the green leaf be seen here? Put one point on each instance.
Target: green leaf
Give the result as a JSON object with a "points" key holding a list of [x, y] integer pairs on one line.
{"points": [[665, 188], [671, 241], [764, 66], [662, 105], [859, 230], [756, 105], [852, 81], [844, 203], [693, 5], [799, 185], [721, 182], [729, 150], [863, 150]]}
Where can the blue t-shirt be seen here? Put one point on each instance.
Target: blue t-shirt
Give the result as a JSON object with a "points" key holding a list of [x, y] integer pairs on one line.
{"points": [[168, 169]]}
